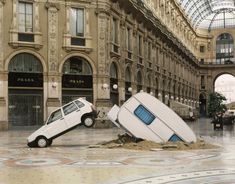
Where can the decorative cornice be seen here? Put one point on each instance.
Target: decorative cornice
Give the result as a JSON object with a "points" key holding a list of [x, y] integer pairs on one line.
{"points": [[52, 5]]}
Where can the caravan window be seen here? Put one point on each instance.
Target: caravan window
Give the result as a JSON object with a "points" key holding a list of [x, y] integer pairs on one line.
{"points": [[144, 115]]}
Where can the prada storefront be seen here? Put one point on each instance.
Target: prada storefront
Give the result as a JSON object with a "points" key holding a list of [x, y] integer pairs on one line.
{"points": [[25, 90], [77, 80]]}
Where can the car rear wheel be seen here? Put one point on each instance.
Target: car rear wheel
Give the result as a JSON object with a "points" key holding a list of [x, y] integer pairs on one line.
{"points": [[42, 142], [88, 121]]}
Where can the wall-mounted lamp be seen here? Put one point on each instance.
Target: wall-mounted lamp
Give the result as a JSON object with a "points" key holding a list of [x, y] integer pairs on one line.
{"points": [[151, 93], [54, 84], [159, 94], [177, 98], [105, 86], [172, 97], [141, 91], [130, 89], [166, 96], [115, 86]]}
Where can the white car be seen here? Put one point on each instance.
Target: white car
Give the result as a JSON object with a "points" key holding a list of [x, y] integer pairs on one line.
{"points": [[62, 120]]}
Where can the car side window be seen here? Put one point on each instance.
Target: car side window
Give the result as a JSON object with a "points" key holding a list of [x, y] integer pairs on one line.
{"points": [[144, 115], [69, 108], [55, 116], [79, 104]]}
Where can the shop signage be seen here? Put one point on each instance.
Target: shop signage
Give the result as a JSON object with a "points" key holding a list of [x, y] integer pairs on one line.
{"points": [[18, 79], [77, 81]]}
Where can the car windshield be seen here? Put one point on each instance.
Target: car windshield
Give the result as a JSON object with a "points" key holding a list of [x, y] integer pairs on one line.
{"points": [[79, 104], [55, 116]]}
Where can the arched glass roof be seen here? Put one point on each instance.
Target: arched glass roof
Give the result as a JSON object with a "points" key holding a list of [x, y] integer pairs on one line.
{"points": [[210, 14]]}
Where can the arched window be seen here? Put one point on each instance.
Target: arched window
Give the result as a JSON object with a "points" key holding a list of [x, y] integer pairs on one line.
{"points": [[114, 84], [77, 66], [128, 88], [25, 62], [77, 80], [149, 83], [224, 49], [139, 81]]}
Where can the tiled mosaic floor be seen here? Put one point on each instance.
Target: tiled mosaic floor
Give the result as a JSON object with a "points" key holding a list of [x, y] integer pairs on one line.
{"points": [[70, 161]]}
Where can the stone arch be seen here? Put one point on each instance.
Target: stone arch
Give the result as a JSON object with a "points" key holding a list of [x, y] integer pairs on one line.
{"points": [[38, 56], [139, 80], [218, 75], [89, 60]]}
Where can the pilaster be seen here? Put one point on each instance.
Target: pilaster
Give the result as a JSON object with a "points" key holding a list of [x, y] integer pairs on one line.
{"points": [[53, 84]]}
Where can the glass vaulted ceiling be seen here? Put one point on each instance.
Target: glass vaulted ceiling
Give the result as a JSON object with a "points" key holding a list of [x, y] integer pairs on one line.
{"points": [[210, 14]]}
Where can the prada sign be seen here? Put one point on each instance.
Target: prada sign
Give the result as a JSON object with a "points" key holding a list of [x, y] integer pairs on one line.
{"points": [[18, 79], [77, 81]]}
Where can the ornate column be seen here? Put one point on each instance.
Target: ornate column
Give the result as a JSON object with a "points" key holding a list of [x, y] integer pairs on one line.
{"points": [[54, 79], [103, 103], [3, 75]]}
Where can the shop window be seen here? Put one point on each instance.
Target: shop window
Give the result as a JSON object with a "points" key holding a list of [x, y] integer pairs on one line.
{"points": [[25, 62]]}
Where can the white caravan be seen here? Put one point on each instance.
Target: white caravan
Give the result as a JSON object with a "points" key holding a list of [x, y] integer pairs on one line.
{"points": [[144, 116], [62, 120]]}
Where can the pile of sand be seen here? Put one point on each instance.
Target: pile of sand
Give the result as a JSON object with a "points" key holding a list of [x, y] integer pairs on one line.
{"points": [[127, 142]]}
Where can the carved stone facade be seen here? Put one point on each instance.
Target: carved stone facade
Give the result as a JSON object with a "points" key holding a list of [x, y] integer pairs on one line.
{"points": [[150, 43]]}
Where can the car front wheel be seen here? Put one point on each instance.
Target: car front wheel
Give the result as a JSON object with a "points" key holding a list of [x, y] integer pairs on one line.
{"points": [[42, 142], [88, 121]]}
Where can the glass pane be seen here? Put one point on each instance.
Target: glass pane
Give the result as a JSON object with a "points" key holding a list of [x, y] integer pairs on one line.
{"points": [[80, 22], [25, 63], [144, 115], [21, 23], [79, 104], [29, 23], [76, 65], [69, 108], [113, 71], [29, 8], [22, 7], [55, 116], [73, 23]]}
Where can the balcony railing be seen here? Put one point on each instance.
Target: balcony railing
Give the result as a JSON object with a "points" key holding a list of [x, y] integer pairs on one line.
{"points": [[228, 61]]}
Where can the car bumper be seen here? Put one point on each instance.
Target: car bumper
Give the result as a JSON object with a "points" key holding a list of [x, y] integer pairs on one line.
{"points": [[94, 114], [32, 144]]}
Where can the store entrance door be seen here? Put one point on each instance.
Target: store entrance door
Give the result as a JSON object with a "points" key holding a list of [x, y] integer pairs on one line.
{"points": [[25, 108]]}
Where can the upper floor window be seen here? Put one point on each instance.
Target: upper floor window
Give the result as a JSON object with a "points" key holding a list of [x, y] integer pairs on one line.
{"points": [[224, 49], [25, 14], [77, 27], [128, 39], [202, 48], [139, 45], [77, 22], [149, 50], [115, 31], [115, 35]]}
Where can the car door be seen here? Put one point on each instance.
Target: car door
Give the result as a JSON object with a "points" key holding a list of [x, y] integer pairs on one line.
{"points": [[72, 114], [56, 123]]}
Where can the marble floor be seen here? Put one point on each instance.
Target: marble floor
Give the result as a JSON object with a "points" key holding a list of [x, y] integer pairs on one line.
{"points": [[70, 161]]}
